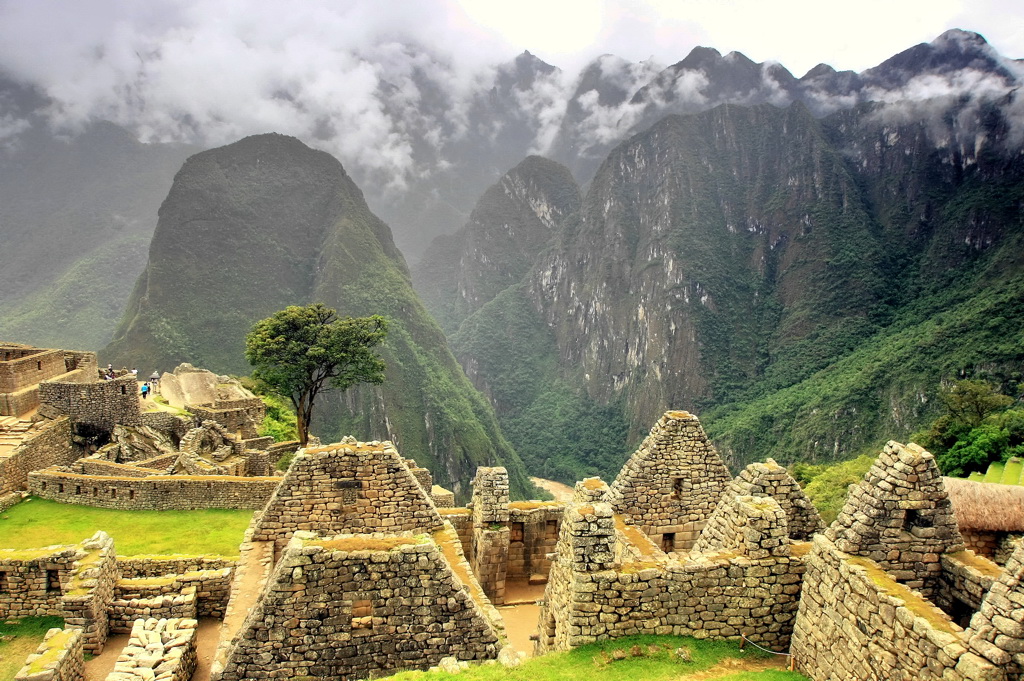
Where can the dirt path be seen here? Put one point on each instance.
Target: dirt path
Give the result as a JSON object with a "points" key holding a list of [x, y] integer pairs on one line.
{"points": [[521, 614], [98, 667], [559, 491], [735, 665], [207, 639]]}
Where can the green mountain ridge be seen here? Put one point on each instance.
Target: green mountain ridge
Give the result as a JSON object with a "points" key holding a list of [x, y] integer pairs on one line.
{"points": [[267, 222], [805, 284]]}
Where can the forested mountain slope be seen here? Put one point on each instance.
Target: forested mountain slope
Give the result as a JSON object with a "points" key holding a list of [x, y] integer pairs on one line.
{"points": [[267, 222]]}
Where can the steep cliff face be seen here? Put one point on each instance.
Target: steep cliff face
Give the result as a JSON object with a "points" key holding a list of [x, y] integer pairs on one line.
{"points": [[512, 222], [267, 222], [705, 246], [806, 283]]}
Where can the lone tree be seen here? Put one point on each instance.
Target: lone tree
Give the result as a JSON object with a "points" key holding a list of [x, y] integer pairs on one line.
{"points": [[301, 351]]}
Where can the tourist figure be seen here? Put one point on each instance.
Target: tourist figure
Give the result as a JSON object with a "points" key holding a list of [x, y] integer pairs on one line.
{"points": [[135, 372], [145, 390]]}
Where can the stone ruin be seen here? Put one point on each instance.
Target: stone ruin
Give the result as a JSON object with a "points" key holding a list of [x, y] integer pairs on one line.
{"points": [[672, 483], [620, 567], [365, 566], [891, 593], [156, 600], [366, 577], [79, 437]]}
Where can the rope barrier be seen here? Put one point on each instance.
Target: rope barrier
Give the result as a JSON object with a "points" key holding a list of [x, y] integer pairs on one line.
{"points": [[744, 640]]}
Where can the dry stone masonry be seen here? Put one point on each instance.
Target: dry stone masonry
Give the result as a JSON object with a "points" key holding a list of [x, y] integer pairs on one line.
{"points": [[870, 607], [672, 483], [158, 650], [58, 658], [354, 605]]}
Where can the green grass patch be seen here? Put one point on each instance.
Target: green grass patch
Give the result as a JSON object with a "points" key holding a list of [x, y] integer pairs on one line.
{"points": [[40, 522], [995, 473], [19, 638], [1012, 472], [643, 658]]}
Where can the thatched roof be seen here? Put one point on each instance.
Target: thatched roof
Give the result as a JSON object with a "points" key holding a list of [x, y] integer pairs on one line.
{"points": [[986, 505]]}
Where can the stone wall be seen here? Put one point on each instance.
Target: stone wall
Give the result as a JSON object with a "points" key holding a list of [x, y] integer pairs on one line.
{"points": [[965, 580], [900, 517], [490, 531], [672, 483], [91, 465], [347, 487], [161, 566], [31, 580], [163, 649], [211, 588], [156, 492], [51, 446], [772, 480], [609, 580], [89, 591], [241, 417], [353, 606], [982, 542], [100, 404], [24, 367], [1008, 543], [876, 579], [58, 658], [533, 533], [461, 519], [124, 612]]}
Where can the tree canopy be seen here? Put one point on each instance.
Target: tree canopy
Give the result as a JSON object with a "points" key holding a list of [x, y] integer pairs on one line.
{"points": [[301, 351]]}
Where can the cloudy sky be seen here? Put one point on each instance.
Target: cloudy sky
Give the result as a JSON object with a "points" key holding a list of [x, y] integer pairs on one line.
{"points": [[211, 71]]}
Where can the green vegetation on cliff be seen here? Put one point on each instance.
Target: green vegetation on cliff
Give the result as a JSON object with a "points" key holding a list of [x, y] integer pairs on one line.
{"points": [[256, 226], [806, 285]]}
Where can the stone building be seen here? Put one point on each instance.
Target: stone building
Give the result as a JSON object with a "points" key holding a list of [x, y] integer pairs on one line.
{"points": [[891, 593], [610, 579], [672, 483], [367, 577], [24, 367]]}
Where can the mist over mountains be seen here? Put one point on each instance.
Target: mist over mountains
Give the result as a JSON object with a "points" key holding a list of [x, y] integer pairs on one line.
{"points": [[782, 252]]}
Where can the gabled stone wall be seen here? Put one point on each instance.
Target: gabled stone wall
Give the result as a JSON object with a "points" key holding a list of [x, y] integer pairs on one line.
{"points": [[772, 480], [609, 580], [900, 517], [876, 578], [347, 487], [672, 483], [353, 606]]}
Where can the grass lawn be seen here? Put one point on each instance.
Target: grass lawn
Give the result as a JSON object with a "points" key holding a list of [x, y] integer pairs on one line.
{"points": [[41, 522], [21, 638], [644, 658]]}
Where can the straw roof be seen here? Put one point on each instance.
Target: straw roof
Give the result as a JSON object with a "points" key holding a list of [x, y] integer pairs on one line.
{"points": [[986, 505]]}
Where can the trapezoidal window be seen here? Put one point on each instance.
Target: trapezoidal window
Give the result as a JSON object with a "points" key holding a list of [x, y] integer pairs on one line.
{"points": [[914, 518], [516, 531], [668, 542], [552, 530], [677, 488], [349, 491], [52, 580], [362, 614], [4, 587]]}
